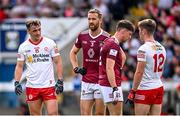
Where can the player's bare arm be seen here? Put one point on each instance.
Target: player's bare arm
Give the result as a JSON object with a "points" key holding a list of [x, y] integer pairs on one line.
{"points": [[110, 72], [58, 62], [138, 74], [73, 56], [123, 58], [19, 70]]}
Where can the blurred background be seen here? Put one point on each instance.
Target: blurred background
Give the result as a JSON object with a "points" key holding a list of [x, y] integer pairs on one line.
{"points": [[62, 20]]}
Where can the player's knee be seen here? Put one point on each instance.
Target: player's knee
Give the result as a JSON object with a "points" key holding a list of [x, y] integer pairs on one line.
{"points": [[99, 112], [52, 112], [35, 112], [86, 112]]}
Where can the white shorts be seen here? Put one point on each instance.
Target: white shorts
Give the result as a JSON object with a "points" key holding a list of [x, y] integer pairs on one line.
{"points": [[107, 94], [90, 91]]}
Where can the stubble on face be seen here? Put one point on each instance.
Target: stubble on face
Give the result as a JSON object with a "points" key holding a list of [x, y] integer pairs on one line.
{"points": [[93, 26], [126, 35]]}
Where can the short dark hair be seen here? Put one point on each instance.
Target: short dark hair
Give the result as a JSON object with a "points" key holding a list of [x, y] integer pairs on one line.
{"points": [[32, 22], [148, 24], [125, 24], [95, 11]]}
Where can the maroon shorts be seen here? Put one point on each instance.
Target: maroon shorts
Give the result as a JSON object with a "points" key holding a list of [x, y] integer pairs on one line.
{"points": [[33, 94], [151, 96]]}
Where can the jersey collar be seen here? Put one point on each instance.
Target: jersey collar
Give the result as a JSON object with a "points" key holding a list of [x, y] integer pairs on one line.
{"points": [[93, 37], [36, 43]]}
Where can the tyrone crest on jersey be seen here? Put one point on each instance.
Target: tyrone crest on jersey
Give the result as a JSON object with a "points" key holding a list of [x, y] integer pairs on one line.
{"points": [[46, 49], [36, 49]]}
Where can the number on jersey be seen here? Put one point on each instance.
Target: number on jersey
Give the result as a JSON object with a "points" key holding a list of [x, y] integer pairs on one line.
{"points": [[158, 62]]}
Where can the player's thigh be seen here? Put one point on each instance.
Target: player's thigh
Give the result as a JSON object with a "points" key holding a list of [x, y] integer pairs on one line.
{"points": [[35, 107], [87, 91], [155, 109], [86, 106], [108, 96], [141, 109], [49, 98], [99, 107], [115, 109], [52, 106]]}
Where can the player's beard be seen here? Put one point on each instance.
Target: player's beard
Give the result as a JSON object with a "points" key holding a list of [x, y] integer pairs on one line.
{"points": [[93, 27]]}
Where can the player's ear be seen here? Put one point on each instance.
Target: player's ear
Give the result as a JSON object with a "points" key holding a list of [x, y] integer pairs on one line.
{"points": [[143, 32], [28, 30]]}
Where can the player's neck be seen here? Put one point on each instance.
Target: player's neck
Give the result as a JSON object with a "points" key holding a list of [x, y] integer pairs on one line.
{"points": [[96, 32], [118, 37], [149, 39], [35, 40]]}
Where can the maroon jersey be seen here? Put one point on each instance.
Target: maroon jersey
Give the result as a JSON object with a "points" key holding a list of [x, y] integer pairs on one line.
{"points": [[91, 51], [112, 50]]}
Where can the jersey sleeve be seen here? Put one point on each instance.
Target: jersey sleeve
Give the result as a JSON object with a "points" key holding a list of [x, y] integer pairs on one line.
{"points": [[20, 54], [54, 50], [78, 42], [112, 52], [141, 54]]}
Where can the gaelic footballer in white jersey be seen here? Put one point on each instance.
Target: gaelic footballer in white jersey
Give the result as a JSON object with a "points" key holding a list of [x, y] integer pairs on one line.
{"points": [[154, 54], [38, 58]]}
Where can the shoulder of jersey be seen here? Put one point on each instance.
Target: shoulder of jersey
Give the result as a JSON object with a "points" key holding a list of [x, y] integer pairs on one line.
{"points": [[109, 41], [143, 47], [48, 40], [84, 32], [106, 34], [161, 45], [26, 42]]}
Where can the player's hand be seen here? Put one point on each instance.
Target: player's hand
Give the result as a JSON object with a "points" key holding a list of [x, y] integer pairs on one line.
{"points": [[82, 70], [116, 95], [18, 88], [131, 97], [59, 86]]}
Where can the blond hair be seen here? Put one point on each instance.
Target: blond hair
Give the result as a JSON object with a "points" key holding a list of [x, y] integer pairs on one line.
{"points": [[32, 22]]}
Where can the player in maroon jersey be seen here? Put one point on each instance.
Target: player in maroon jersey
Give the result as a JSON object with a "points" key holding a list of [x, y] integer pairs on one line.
{"points": [[90, 41], [111, 61]]}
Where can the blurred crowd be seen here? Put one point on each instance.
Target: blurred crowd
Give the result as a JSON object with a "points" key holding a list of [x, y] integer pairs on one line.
{"points": [[111, 9]]}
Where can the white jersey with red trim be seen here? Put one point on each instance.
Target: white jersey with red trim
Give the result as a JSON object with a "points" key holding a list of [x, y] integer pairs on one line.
{"points": [[38, 59], [154, 54]]}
